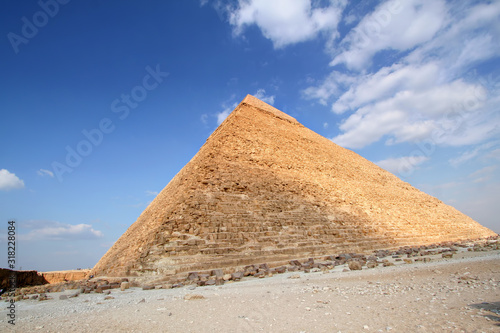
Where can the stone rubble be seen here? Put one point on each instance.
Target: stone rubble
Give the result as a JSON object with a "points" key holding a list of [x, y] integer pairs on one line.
{"points": [[345, 262]]}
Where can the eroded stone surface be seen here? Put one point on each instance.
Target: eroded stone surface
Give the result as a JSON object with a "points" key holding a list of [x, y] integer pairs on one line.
{"points": [[264, 188]]}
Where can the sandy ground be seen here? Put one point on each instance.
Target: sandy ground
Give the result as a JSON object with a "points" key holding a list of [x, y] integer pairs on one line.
{"points": [[446, 295]]}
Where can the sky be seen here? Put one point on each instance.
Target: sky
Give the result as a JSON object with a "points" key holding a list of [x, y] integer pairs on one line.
{"points": [[103, 102]]}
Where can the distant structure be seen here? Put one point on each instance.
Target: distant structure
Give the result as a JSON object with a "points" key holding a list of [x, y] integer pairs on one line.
{"points": [[264, 188]]}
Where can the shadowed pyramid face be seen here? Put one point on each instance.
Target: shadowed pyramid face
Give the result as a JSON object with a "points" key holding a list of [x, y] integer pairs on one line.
{"points": [[264, 188]]}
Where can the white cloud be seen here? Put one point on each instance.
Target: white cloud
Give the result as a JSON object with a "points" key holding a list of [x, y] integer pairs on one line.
{"points": [[329, 87], [397, 25], [261, 94], [472, 34], [402, 165], [152, 193], [287, 22], [484, 174], [221, 116], [44, 172], [55, 231], [426, 94], [386, 83], [9, 181], [494, 154], [204, 118], [451, 114], [471, 154], [350, 19]]}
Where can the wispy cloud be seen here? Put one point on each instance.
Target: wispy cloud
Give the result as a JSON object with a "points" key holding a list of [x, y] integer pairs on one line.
{"points": [[401, 165], [204, 118], [9, 181], [484, 174], [473, 153], [261, 94], [395, 25], [221, 116], [44, 172], [494, 154], [425, 89], [56, 231], [152, 193]]}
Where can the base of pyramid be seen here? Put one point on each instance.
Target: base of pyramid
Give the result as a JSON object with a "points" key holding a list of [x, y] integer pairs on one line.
{"points": [[177, 267], [234, 268]]}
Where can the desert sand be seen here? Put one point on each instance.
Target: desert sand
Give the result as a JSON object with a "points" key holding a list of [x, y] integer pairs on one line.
{"points": [[461, 294]]}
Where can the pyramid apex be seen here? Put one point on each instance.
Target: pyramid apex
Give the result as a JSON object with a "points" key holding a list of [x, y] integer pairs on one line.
{"points": [[263, 106]]}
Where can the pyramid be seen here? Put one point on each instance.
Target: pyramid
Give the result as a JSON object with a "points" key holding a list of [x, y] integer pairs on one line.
{"points": [[264, 188]]}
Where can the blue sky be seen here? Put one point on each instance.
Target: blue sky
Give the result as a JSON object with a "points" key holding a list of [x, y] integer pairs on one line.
{"points": [[103, 102]]}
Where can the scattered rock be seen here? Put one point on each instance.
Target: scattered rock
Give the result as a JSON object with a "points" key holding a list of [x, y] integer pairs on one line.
{"points": [[280, 270], [109, 297], [190, 297], [218, 273], [192, 276], [124, 285], [355, 265], [237, 276], [63, 296], [294, 276]]}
